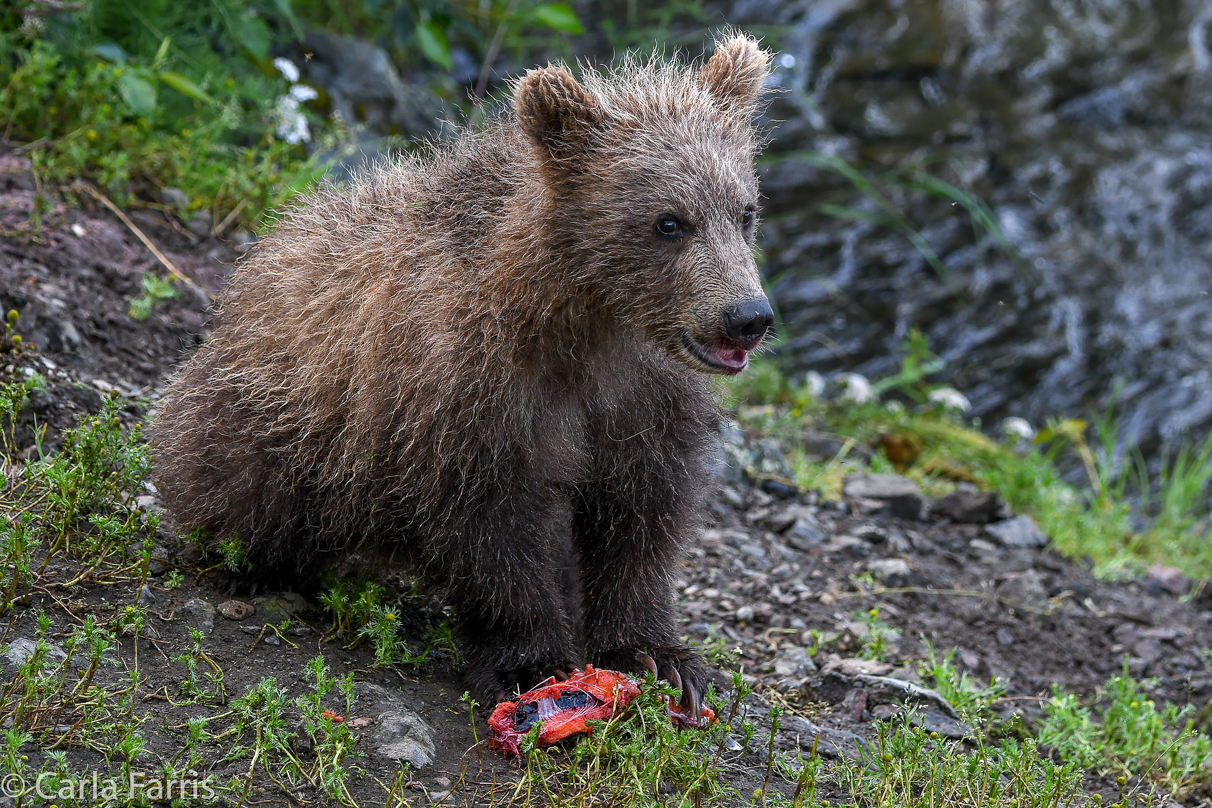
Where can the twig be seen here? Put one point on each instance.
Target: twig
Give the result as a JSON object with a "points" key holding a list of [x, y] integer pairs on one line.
{"points": [[229, 218], [114, 209], [491, 56]]}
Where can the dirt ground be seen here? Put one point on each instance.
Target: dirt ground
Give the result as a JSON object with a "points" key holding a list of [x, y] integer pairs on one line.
{"points": [[773, 564]]}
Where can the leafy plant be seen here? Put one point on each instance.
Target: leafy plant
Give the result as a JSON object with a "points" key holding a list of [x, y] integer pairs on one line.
{"points": [[136, 97], [971, 701], [156, 290], [1128, 734], [918, 363]]}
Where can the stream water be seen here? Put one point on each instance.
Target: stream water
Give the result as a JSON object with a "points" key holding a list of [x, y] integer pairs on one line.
{"points": [[1085, 125]]}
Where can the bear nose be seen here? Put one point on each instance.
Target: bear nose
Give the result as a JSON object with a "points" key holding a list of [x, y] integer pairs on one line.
{"points": [[748, 320]]}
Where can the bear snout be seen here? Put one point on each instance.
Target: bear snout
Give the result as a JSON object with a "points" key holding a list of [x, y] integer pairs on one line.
{"points": [[748, 321]]}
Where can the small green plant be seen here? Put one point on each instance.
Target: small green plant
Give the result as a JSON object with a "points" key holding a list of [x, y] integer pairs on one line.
{"points": [[156, 290], [358, 615], [877, 637], [203, 680], [909, 767], [1128, 734], [134, 98], [917, 365], [972, 702]]}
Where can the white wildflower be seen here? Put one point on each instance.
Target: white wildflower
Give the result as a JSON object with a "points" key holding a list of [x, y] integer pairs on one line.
{"points": [[1020, 428], [287, 68], [856, 388], [815, 383], [292, 123], [301, 92], [950, 399], [894, 406]]}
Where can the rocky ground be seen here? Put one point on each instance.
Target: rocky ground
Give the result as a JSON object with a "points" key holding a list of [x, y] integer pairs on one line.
{"points": [[781, 584]]}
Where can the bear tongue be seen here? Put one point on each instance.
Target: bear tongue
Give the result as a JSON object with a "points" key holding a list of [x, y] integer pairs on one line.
{"points": [[730, 356]]}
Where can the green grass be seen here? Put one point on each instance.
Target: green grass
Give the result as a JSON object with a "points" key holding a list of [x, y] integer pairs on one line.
{"points": [[137, 97], [1125, 734], [1169, 524]]}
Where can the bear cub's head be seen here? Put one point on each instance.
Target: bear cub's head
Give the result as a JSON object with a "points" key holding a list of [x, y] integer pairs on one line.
{"points": [[653, 197]]}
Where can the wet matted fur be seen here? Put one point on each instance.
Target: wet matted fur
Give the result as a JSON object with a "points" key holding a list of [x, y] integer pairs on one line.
{"points": [[489, 362]]}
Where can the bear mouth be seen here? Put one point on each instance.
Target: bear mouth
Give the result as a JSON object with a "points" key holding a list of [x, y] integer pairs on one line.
{"points": [[728, 357]]}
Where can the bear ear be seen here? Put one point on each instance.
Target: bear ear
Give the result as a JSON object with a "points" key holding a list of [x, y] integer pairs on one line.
{"points": [[736, 72], [556, 111]]}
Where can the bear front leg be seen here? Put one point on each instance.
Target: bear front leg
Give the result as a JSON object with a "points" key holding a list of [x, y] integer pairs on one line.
{"points": [[504, 575], [629, 530]]}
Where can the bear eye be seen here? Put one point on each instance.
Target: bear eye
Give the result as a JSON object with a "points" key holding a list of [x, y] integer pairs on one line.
{"points": [[669, 225], [748, 216]]}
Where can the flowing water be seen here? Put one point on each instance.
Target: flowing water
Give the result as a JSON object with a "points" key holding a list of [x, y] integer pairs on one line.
{"points": [[1085, 125]]}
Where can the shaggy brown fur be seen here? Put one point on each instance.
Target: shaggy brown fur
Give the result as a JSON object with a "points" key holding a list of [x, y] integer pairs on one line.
{"points": [[490, 365]]}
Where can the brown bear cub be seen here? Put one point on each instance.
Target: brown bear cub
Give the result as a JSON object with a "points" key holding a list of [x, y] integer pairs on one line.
{"points": [[491, 365]]}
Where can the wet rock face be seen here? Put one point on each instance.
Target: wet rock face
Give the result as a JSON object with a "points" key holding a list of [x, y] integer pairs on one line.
{"points": [[1086, 128]]}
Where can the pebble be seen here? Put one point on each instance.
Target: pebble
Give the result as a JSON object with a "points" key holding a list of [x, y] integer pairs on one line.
{"points": [[156, 567], [1169, 578], [236, 609], [851, 546], [202, 613], [890, 571], [1025, 589], [145, 596], [1021, 531], [805, 533], [969, 507], [793, 663], [398, 732], [899, 495], [21, 649]]}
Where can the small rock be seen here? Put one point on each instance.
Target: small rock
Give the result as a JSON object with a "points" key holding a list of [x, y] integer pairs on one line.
{"points": [[871, 533], [145, 596], [745, 614], [855, 704], [890, 571], [982, 547], [201, 223], [885, 712], [1025, 590], [20, 650], [360, 722], [236, 609], [174, 198], [793, 663], [283, 605], [1004, 638], [1170, 579], [271, 638], [780, 520], [769, 461], [969, 507], [900, 496], [934, 721], [202, 613], [399, 733], [156, 566], [1021, 531], [805, 533], [779, 488], [850, 546], [853, 666], [1148, 650]]}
